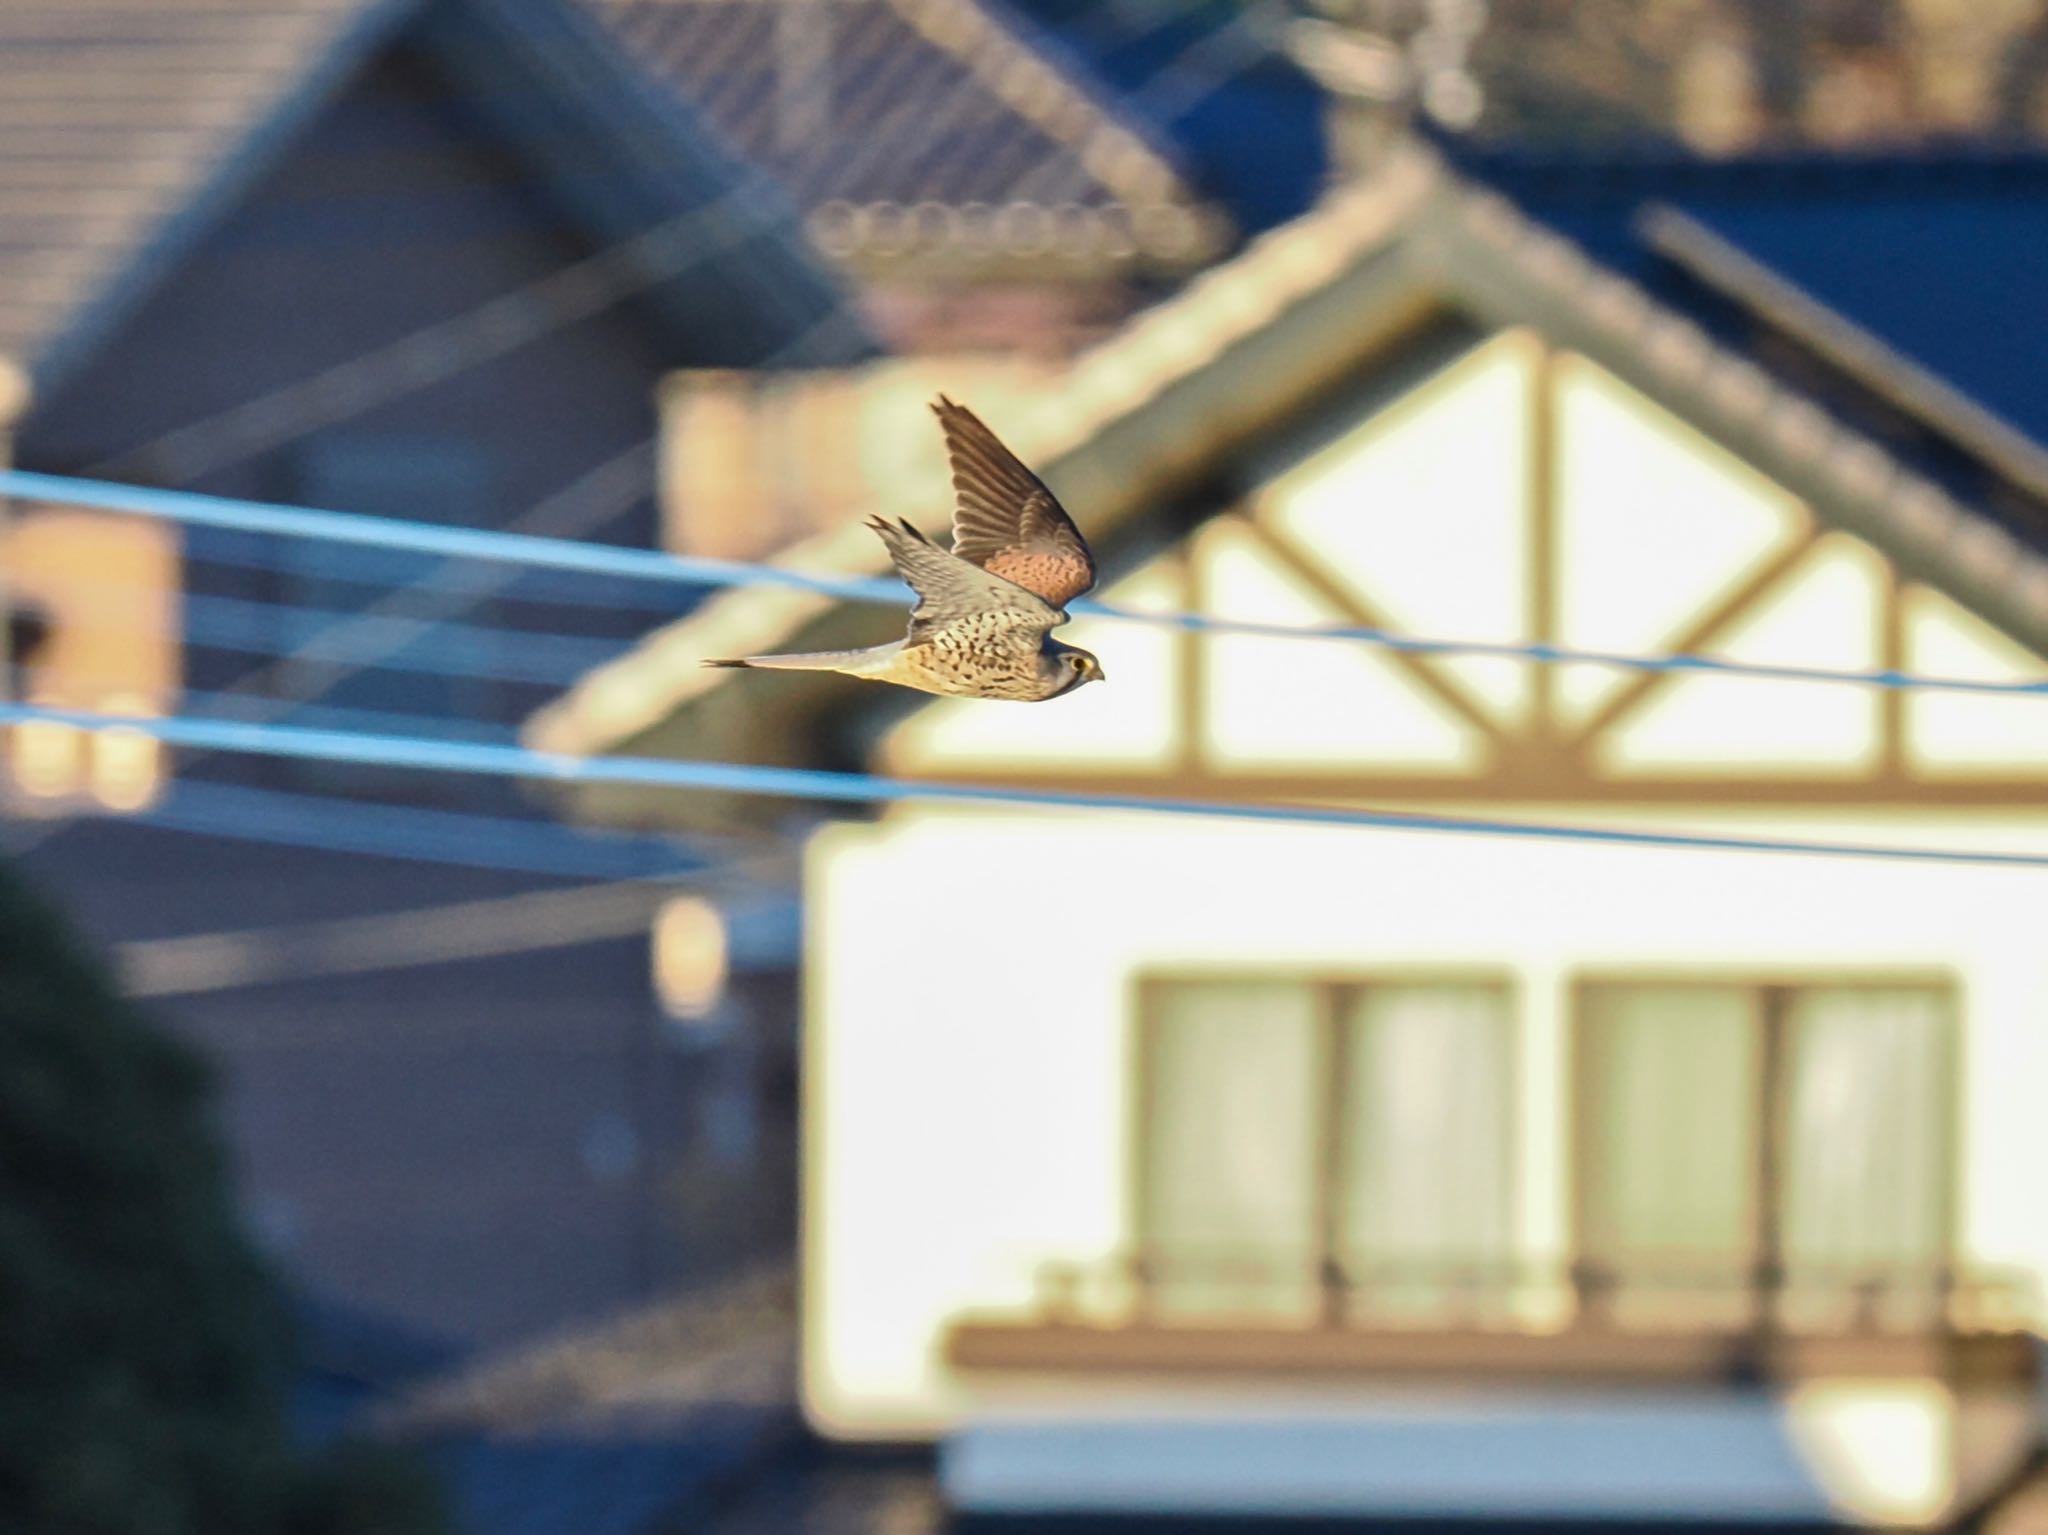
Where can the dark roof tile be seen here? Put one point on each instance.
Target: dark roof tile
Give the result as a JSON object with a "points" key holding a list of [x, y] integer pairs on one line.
{"points": [[893, 104], [124, 120], [116, 113]]}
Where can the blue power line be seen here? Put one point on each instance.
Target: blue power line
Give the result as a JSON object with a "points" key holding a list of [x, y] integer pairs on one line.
{"points": [[365, 639], [427, 538], [648, 565], [378, 567], [206, 704], [861, 788], [445, 647], [402, 832]]}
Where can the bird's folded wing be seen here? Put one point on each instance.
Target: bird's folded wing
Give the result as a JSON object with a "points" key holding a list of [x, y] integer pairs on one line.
{"points": [[1004, 519], [951, 591]]}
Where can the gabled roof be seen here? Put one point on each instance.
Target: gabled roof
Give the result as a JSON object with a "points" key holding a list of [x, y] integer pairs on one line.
{"points": [[908, 128], [1176, 400], [116, 116], [131, 124], [1908, 281]]}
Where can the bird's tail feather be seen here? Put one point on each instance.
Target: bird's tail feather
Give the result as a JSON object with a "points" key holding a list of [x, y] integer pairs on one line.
{"points": [[810, 661]]}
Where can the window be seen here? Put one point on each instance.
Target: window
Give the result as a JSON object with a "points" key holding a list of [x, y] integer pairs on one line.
{"points": [[93, 604], [1745, 1148], [400, 666], [1308, 1145]]}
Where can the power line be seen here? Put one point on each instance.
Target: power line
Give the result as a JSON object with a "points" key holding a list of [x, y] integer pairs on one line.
{"points": [[366, 636], [696, 570], [211, 704], [532, 920], [595, 496], [445, 348], [862, 788], [437, 352], [1208, 64], [484, 544], [369, 567], [453, 838], [312, 635], [438, 935]]}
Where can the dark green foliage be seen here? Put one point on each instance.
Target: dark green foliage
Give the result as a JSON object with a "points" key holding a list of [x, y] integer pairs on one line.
{"points": [[143, 1346]]}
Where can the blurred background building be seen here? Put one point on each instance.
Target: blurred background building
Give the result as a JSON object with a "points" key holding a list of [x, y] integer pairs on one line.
{"points": [[1216, 1169], [422, 260], [1717, 75]]}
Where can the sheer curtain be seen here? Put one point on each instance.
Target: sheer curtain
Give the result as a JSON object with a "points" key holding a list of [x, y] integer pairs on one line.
{"points": [[1423, 1188], [1229, 1173], [1864, 1170], [1671, 1077]]}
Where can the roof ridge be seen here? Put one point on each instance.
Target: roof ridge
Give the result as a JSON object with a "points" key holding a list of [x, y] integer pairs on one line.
{"points": [[1118, 150]]}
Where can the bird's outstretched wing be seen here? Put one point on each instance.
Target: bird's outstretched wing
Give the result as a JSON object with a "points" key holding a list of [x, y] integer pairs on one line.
{"points": [[1004, 519], [952, 593]]}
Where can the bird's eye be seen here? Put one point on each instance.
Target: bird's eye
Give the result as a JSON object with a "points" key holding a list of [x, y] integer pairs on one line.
{"points": [[1080, 663]]}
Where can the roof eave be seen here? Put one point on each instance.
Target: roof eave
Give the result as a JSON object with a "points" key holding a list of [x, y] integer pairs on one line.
{"points": [[1506, 269], [1032, 244], [1448, 246], [1877, 367]]}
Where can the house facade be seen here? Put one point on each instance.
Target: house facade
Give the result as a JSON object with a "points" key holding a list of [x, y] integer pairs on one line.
{"points": [[1176, 1167], [423, 260]]}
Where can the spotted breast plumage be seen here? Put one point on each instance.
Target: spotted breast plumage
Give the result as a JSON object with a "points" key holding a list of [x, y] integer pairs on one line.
{"points": [[986, 609]]}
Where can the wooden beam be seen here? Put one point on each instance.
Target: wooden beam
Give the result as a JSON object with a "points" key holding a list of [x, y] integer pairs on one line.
{"points": [[1541, 550], [1535, 785], [1702, 632], [1891, 706], [1424, 670], [1578, 1357], [1192, 671]]}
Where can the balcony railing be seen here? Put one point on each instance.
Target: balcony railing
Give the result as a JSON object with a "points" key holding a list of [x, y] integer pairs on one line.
{"points": [[1667, 1319]]}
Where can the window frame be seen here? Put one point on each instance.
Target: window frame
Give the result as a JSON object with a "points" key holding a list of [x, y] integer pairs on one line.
{"points": [[1331, 988], [1770, 986]]}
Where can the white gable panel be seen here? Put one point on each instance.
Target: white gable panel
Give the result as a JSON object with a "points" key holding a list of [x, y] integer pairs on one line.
{"points": [[1128, 720], [1420, 511], [1276, 703], [1971, 732], [1653, 523], [1828, 615]]}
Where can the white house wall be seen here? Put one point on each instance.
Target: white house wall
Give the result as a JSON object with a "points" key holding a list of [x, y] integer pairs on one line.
{"points": [[970, 973], [1427, 518]]}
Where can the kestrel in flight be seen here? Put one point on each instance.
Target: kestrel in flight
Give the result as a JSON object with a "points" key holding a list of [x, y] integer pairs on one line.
{"points": [[984, 615]]}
